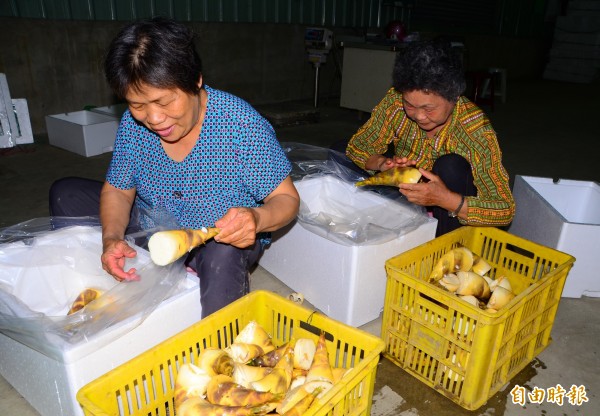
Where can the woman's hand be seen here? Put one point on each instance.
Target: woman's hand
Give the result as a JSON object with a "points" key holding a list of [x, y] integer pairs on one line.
{"points": [[113, 258], [431, 193], [115, 205], [238, 227]]}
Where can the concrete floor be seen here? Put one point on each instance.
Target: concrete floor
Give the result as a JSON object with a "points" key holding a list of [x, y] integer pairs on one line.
{"points": [[546, 129]]}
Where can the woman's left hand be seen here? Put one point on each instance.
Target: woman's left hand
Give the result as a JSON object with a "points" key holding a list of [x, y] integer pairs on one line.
{"points": [[431, 193], [238, 227]]}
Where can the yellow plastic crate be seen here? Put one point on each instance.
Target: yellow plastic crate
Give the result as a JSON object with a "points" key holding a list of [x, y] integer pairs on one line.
{"points": [[145, 384], [458, 349]]}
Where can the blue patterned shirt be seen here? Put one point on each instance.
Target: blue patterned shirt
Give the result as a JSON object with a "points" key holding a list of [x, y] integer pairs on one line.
{"points": [[236, 162]]}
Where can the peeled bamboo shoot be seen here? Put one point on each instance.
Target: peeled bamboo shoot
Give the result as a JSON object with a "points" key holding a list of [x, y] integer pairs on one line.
{"points": [[472, 284], [463, 259], [191, 381], [480, 266], [304, 351], [393, 177], [244, 353], [167, 246], [500, 297], [253, 333], [320, 369]]}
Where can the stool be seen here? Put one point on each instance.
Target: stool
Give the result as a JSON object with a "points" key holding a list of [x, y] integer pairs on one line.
{"points": [[483, 82], [499, 79]]}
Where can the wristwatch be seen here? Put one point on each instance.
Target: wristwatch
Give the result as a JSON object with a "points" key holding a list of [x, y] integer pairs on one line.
{"points": [[454, 214]]}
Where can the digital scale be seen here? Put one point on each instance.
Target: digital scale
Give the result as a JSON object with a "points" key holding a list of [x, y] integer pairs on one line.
{"points": [[318, 42]]}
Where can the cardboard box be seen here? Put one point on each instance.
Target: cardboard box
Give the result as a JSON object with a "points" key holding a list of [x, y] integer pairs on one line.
{"points": [[566, 216], [84, 132], [346, 282], [50, 386]]}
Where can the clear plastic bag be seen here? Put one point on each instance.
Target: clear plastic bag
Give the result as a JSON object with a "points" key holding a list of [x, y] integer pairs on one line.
{"points": [[43, 268], [334, 208]]}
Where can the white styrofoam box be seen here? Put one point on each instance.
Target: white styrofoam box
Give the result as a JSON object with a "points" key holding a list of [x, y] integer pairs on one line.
{"points": [[345, 282], [566, 216], [50, 382], [51, 386], [83, 132]]}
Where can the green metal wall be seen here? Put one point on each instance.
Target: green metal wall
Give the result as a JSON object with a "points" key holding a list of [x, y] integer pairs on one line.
{"points": [[500, 17], [314, 12]]}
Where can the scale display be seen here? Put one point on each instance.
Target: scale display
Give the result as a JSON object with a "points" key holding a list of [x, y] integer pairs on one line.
{"points": [[318, 38]]}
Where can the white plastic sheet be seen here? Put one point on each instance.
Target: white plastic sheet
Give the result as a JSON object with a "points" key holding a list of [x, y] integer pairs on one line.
{"points": [[334, 208]]}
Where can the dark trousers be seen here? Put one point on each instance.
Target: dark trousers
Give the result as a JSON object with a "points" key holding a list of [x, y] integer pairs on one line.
{"points": [[456, 173], [223, 269]]}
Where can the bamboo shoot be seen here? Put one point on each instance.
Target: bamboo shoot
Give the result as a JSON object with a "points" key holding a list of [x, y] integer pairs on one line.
{"points": [[167, 246], [393, 177]]}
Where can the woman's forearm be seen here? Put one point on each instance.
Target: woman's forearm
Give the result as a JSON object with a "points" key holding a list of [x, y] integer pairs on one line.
{"points": [[115, 208], [279, 209]]}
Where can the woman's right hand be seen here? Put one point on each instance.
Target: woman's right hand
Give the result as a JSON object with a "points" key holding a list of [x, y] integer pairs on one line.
{"points": [[113, 259]]}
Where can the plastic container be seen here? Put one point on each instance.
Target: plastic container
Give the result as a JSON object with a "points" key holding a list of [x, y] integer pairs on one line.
{"points": [[145, 384], [461, 351]]}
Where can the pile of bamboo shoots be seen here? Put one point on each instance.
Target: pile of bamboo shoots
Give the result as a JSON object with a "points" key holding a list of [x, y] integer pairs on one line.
{"points": [[254, 377], [464, 273]]}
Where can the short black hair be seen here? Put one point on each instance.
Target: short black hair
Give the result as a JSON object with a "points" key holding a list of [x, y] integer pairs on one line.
{"points": [[159, 52], [431, 65]]}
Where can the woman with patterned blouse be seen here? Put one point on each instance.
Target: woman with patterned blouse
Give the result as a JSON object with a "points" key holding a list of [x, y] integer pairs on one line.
{"points": [[433, 127], [203, 156]]}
